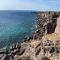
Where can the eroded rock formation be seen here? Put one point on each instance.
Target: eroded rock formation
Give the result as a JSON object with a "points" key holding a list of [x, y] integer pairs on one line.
{"points": [[46, 22]]}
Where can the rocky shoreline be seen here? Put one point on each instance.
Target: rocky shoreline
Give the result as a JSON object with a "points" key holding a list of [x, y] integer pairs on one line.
{"points": [[35, 47]]}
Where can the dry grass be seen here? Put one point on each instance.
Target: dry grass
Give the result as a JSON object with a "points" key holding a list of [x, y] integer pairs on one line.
{"points": [[25, 58]]}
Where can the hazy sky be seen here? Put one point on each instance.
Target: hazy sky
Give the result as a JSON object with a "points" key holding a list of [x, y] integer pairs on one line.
{"points": [[30, 5]]}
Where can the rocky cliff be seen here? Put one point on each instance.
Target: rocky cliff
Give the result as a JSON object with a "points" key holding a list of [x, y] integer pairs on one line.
{"points": [[46, 22]]}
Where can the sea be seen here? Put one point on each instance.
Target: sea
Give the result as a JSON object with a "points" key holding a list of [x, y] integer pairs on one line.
{"points": [[15, 25]]}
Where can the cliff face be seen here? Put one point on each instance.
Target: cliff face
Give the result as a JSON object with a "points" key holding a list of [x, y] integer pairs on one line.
{"points": [[46, 22], [57, 30]]}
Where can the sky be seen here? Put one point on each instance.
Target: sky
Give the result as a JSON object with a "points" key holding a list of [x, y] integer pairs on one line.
{"points": [[37, 5]]}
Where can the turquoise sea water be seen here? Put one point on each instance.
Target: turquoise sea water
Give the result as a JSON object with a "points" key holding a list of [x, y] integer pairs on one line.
{"points": [[15, 25]]}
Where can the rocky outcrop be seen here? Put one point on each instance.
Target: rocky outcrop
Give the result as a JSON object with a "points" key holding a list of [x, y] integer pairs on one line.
{"points": [[46, 22]]}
